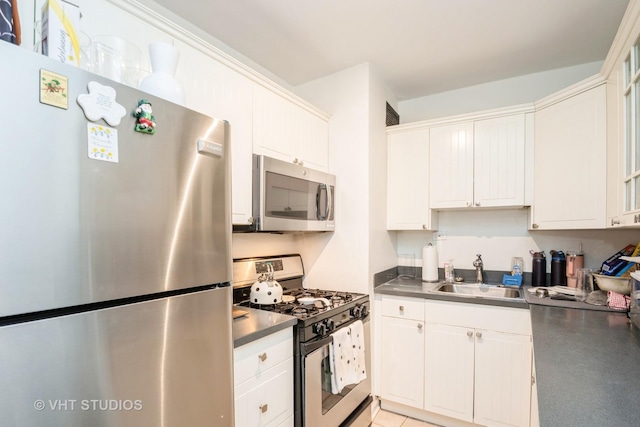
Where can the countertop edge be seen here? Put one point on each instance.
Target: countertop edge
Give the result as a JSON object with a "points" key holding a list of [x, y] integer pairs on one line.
{"points": [[259, 324]]}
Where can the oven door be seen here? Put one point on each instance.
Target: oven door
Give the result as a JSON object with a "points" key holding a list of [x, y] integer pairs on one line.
{"points": [[321, 407]]}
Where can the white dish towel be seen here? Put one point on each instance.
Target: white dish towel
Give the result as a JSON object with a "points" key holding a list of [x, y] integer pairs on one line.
{"points": [[347, 356]]}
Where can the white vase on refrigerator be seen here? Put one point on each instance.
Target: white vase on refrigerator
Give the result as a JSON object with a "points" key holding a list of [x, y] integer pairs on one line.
{"points": [[162, 82]]}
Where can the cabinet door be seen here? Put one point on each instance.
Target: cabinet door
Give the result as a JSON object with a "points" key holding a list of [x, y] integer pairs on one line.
{"points": [[502, 379], [272, 129], [402, 361], [570, 163], [312, 141], [286, 131], [220, 92], [448, 380], [407, 182], [451, 166], [499, 147]]}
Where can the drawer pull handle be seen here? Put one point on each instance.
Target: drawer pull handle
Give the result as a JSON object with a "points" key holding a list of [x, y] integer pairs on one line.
{"points": [[479, 334], [401, 308], [264, 408], [263, 357], [469, 334]]}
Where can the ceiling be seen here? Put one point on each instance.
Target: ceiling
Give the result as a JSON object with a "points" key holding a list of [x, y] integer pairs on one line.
{"points": [[420, 47]]}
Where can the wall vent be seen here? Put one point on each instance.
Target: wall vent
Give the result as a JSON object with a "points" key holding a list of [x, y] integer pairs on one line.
{"points": [[392, 117]]}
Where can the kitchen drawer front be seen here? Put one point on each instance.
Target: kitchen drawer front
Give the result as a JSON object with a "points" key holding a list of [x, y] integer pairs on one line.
{"points": [[403, 308], [255, 358], [267, 401], [477, 316]]}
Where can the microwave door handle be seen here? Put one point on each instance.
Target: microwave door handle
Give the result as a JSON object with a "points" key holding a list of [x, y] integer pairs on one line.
{"points": [[321, 188], [329, 202]]}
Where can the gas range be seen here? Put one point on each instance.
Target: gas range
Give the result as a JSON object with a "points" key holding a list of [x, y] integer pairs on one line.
{"points": [[328, 311], [321, 314]]}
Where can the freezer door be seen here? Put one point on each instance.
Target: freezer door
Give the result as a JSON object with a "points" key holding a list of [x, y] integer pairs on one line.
{"points": [[166, 362], [77, 229]]}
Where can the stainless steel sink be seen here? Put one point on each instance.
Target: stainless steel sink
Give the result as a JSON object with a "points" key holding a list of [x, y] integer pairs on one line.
{"points": [[480, 291]]}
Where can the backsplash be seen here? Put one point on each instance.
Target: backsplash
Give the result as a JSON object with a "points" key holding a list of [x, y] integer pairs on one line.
{"points": [[501, 235]]}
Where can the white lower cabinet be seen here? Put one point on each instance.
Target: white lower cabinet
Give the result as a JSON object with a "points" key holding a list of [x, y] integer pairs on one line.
{"points": [[449, 371], [402, 350], [503, 379], [263, 379], [469, 362]]}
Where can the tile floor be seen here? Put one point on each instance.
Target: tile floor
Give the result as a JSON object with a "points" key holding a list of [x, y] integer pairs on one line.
{"points": [[389, 419]]}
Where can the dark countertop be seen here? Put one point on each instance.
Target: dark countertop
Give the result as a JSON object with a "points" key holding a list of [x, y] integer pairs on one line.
{"points": [[257, 324], [587, 367], [416, 288]]}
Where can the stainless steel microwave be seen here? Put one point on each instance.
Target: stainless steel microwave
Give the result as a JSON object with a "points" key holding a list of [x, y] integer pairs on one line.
{"points": [[288, 197]]}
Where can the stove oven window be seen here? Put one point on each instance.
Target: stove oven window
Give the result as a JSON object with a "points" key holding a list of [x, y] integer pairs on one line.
{"points": [[329, 400]]}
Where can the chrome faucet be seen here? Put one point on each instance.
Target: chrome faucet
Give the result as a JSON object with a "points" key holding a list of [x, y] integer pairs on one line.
{"points": [[479, 269]]}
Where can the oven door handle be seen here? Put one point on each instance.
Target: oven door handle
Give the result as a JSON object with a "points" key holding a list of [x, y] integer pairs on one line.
{"points": [[310, 347]]}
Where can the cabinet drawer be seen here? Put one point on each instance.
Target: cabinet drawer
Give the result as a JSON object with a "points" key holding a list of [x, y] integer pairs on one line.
{"points": [[404, 308], [255, 358], [268, 401]]}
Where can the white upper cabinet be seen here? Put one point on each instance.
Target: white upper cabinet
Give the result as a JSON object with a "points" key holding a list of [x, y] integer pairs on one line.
{"points": [[615, 147], [479, 163], [408, 181], [451, 166], [570, 159], [630, 150], [286, 131], [499, 162], [225, 94]]}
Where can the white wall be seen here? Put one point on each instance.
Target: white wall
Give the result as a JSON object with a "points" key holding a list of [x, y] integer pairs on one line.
{"points": [[344, 96], [501, 234], [360, 246], [382, 243], [502, 93]]}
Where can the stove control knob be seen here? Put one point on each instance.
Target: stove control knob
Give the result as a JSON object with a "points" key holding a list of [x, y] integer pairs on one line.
{"points": [[331, 325], [358, 311], [363, 311], [320, 328]]}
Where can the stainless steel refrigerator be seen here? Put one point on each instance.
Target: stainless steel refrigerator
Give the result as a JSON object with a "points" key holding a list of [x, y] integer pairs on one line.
{"points": [[115, 305]]}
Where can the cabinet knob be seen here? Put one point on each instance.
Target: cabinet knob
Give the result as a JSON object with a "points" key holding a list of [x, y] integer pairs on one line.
{"points": [[468, 204], [477, 203], [295, 161], [424, 226], [534, 225], [469, 334], [401, 308], [264, 408], [250, 220], [419, 326], [479, 334], [262, 357]]}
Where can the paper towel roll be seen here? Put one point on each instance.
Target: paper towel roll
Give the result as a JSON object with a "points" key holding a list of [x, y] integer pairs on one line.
{"points": [[429, 263]]}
